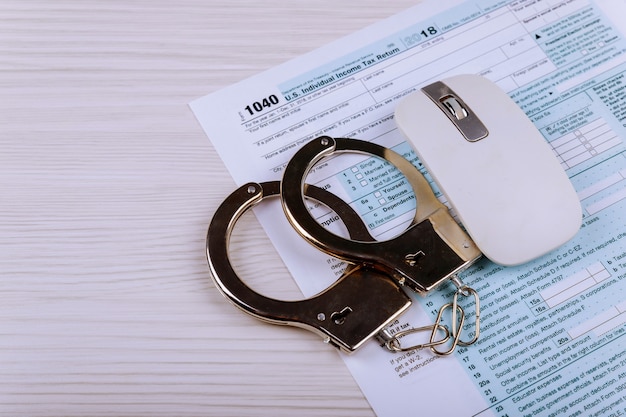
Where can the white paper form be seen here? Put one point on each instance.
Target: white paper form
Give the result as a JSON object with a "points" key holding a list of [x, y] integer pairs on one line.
{"points": [[552, 340]]}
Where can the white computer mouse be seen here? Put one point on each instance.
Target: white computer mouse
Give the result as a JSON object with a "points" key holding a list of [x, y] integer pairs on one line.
{"points": [[495, 168]]}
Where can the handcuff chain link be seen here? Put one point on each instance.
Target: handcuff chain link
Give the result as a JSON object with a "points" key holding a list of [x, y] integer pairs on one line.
{"points": [[451, 333]]}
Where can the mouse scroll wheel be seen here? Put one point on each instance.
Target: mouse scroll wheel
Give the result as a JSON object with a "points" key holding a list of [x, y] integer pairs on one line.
{"points": [[454, 107]]}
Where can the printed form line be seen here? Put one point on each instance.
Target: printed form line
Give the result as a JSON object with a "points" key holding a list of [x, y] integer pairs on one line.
{"points": [[612, 181], [583, 144], [601, 323], [575, 284]]}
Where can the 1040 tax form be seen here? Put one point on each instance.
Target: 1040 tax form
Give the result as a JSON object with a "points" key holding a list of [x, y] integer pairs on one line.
{"points": [[553, 330]]}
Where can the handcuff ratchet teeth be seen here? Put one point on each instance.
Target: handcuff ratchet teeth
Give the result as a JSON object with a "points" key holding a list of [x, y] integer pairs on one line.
{"points": [[432, 250], [352, 310]]}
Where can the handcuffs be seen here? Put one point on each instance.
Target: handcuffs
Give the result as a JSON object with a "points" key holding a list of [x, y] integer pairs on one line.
{"points": [[369, 295]]}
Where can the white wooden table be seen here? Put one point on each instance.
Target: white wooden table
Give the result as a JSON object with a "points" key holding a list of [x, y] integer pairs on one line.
{"points": [[107, 185]]}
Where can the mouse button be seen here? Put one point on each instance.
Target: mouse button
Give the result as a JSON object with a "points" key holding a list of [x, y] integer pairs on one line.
{"points": [[454, 106], [456, 110]]}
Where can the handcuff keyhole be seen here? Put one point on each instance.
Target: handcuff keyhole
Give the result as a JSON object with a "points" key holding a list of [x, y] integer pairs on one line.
{"points": [[412, 258], [340, 317]]}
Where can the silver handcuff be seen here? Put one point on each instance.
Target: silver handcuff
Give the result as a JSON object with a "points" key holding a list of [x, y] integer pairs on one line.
{"points": [[369, 295]]}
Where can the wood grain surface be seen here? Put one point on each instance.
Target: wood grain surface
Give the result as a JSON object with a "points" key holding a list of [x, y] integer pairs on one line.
{"points": [[107, 185]]}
